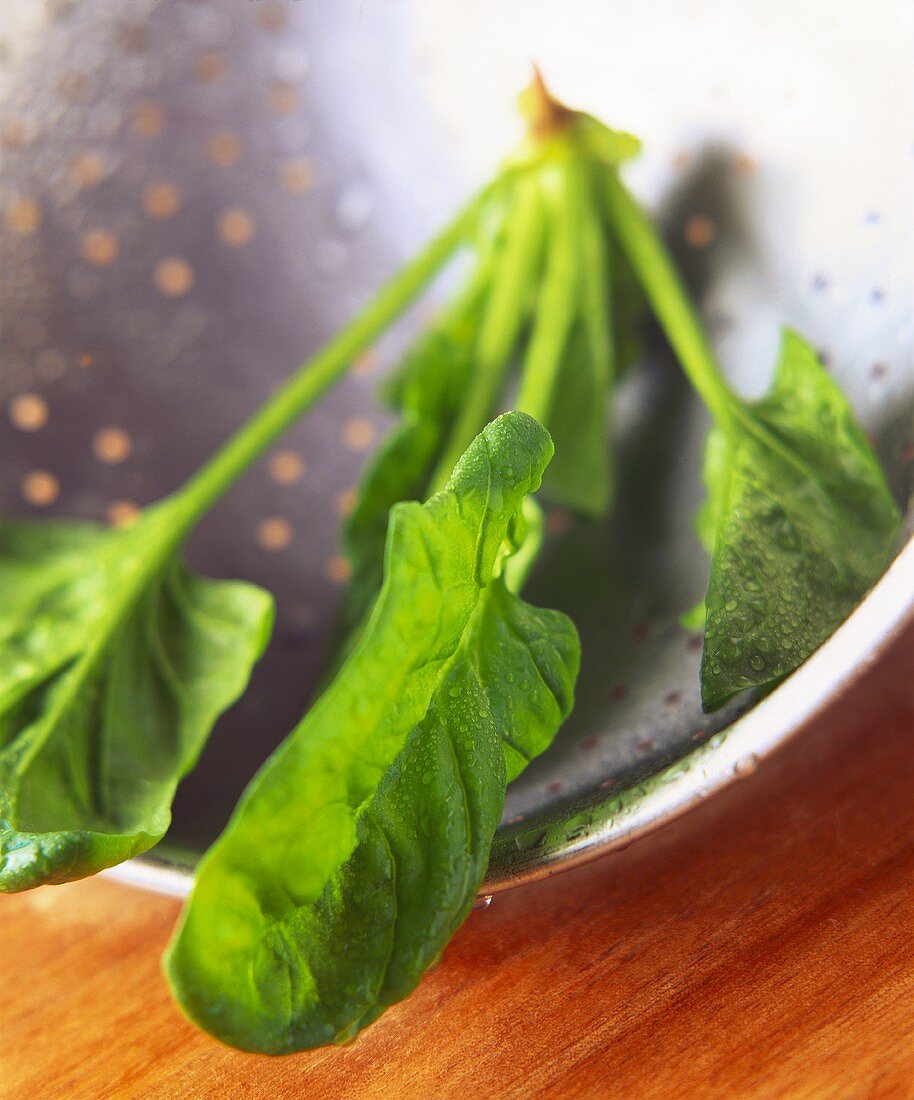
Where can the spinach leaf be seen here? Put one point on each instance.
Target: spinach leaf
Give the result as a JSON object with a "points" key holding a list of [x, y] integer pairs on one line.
{"points": [[357, 850], [577, 394], [538, 311], [115, 660], [799, 518], [446, 384], [799, 522], [426, 391], [118, 660]]}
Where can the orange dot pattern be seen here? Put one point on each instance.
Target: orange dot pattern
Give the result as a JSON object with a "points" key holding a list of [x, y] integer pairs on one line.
{"points": [[111, 446], [284, 98], [161, 199], [744, 164], [100, 247], [358, 433], [23, 216], [235, 227], [699, 231], [297, 175], [271, 16], [338, 569], [366, 363], [87, 170], [132, 37], [210, 67], [274, 533], [74, 87], [346, 502], [559, 521], [148, 119], [40, 487], [224, 148], [173, 276], [28, 412], [13, 134], [287, 467], [122, 513]]}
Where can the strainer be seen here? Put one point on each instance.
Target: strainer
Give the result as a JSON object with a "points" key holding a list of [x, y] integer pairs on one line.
{"points": [[196, 194]]}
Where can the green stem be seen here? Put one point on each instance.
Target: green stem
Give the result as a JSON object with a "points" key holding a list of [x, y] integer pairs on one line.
{"points": [[664, 290], [505, 312], [320, 372], [521, 562], [558, 299], [598, 288]]}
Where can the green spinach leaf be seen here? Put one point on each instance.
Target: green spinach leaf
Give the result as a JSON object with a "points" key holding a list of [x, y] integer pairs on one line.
{"points": [[115, 660], [426, 391], [358, 849], [799, 519], [538, 312], [118, 660], [799, 523]]}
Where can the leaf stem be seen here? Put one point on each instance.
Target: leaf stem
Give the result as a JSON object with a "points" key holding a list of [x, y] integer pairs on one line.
{"points": [[505, 313], [316, 376], [669, 300], [597, 288], [558, 298]]}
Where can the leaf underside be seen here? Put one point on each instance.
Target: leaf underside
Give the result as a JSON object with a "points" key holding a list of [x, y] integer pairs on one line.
{"points": [[115, 665], [358, 849]]}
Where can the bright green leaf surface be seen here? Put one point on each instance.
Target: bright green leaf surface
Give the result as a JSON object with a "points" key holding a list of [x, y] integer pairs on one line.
{"points": [[799, 521], [115, 661], [357, 850], [539, 311], [426, 391], [799, 518]]}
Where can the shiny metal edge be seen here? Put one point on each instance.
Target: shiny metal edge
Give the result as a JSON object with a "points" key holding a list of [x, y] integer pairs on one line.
{"points": [[569, 835], [561, 840]]}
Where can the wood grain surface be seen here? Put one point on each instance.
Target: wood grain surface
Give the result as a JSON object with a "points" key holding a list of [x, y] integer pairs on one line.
{"points": [[761, 946]]}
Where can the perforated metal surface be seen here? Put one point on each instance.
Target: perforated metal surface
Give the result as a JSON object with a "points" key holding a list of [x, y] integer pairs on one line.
{"points": [[196, 194]]}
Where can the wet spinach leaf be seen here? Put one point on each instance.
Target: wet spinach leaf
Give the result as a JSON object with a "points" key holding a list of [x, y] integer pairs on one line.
{"points": [[799, 523], [535, 327], [799, 519], [357, 850], [117, 662]]}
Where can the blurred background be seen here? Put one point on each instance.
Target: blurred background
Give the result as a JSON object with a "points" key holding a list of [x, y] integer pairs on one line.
{"points": [[195, 194]]}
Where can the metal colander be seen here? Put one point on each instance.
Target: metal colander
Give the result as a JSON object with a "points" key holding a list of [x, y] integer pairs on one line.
{"points": [[196, 194]]}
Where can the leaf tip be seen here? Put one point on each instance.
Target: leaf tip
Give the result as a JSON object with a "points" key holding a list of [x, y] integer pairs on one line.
{"points": [[543, 113]]}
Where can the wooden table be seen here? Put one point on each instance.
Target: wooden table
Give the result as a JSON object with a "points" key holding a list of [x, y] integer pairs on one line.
{"points": [[761, 946]]}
